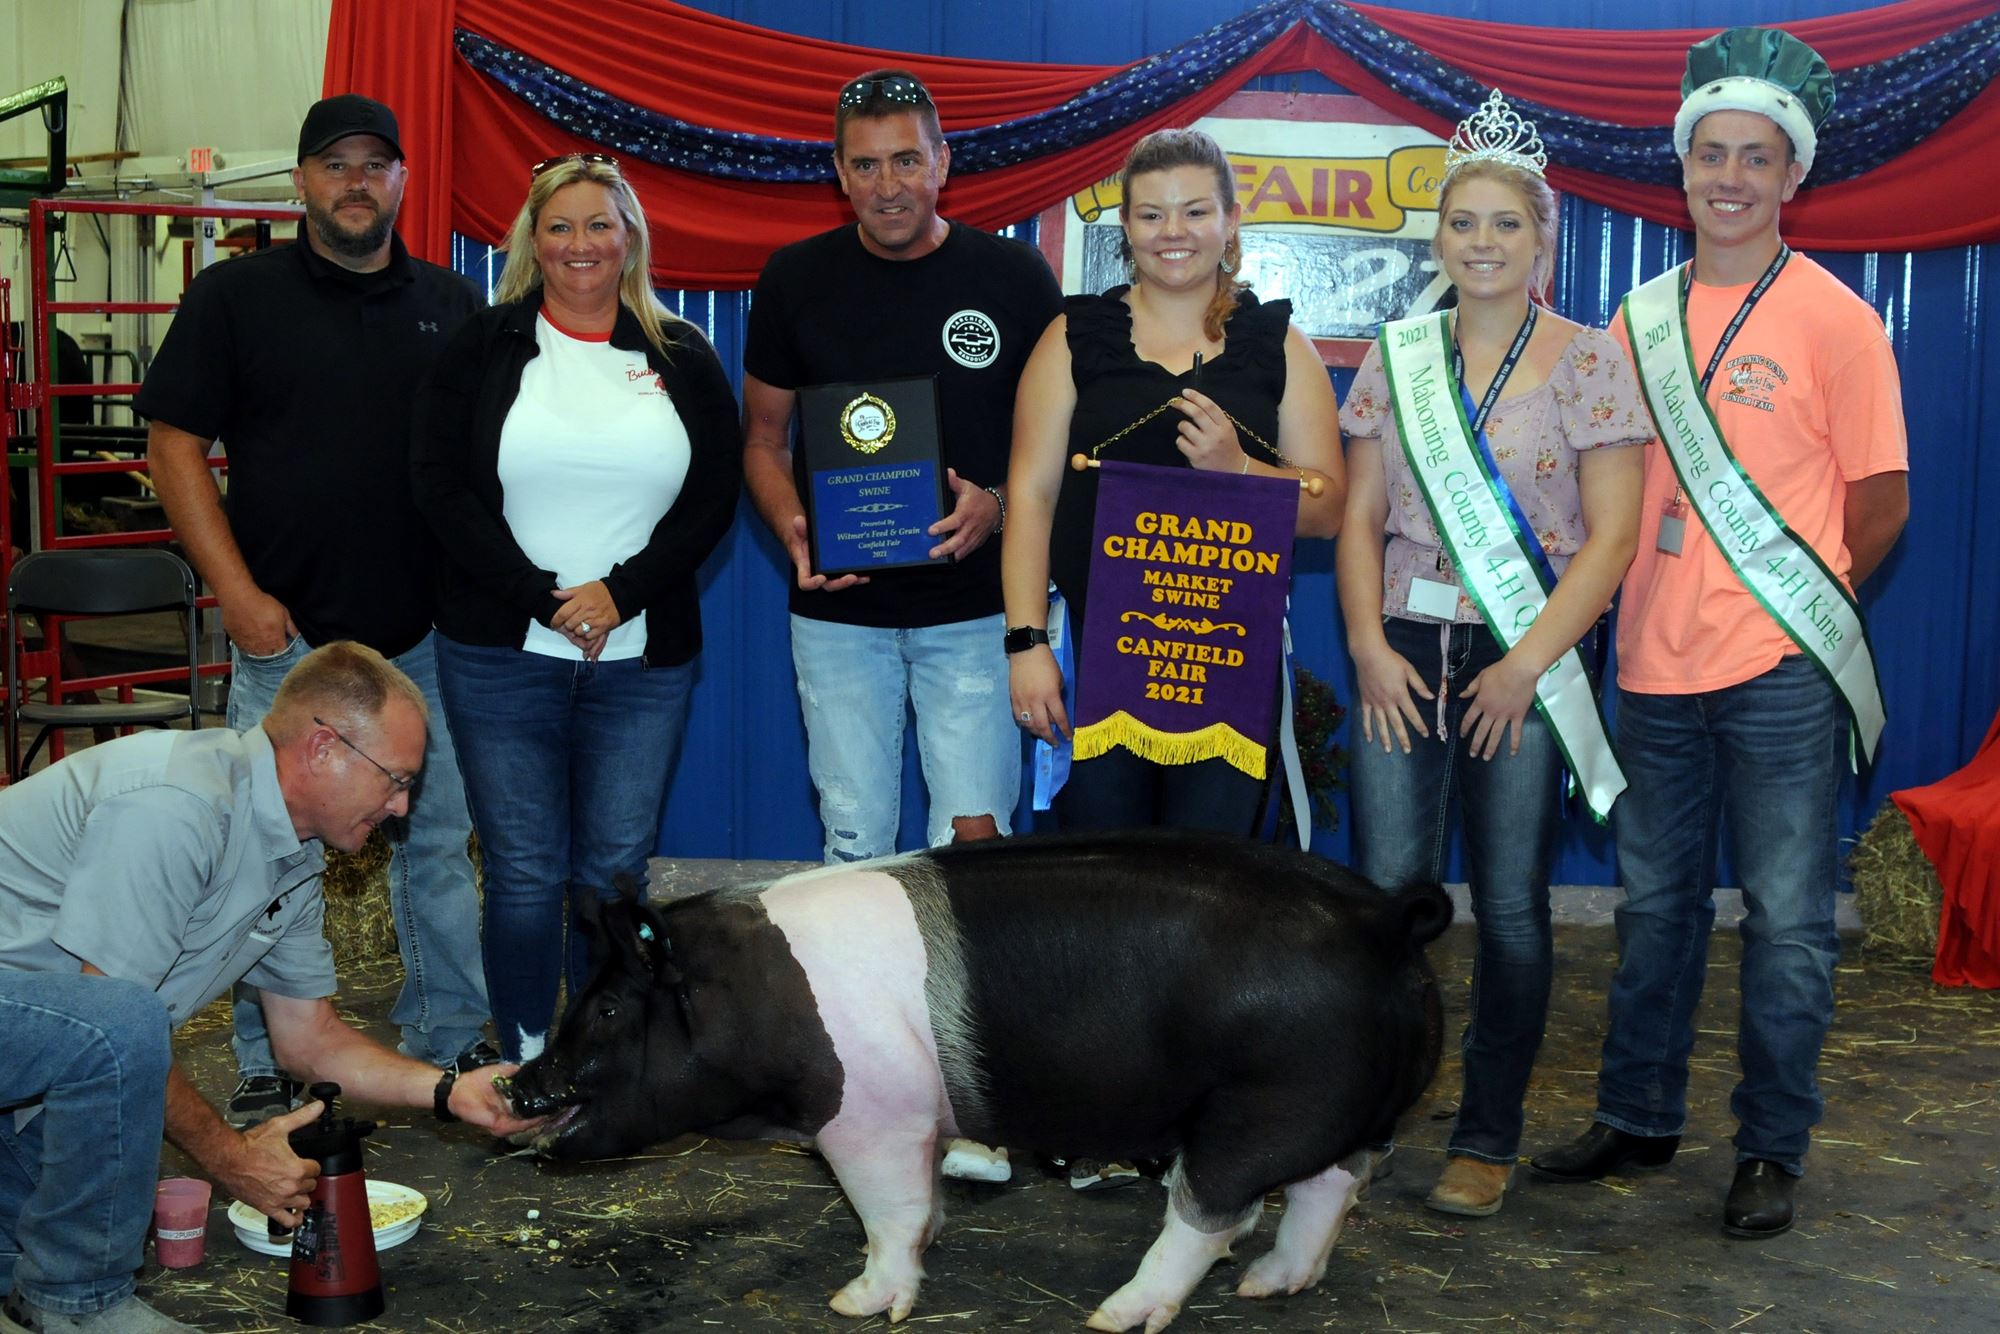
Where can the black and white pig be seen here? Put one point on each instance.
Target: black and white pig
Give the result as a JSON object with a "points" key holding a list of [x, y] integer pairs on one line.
{"points": [[1262, 1016]]}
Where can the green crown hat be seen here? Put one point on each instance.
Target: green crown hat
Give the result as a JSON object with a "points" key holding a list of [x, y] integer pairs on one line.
{"points": [[1765, 70]]}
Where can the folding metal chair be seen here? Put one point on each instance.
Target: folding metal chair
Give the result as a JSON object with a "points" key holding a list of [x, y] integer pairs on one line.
{"points": [[93, 582]]}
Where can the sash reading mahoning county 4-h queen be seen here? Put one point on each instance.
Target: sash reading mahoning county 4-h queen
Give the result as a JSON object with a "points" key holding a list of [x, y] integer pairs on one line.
{"points": [[1780, 569], [1183, 635], [1490, 548]]}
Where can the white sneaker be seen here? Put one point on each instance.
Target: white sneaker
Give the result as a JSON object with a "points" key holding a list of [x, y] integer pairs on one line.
{"points": [[969, 1160]]}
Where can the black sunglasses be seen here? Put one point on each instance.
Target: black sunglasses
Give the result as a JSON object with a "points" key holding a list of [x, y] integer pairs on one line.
{"points": [[888, 87], [588, 159]]}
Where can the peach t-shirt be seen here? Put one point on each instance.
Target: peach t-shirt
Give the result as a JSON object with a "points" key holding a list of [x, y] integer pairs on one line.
{"points": [[1808, 400]]}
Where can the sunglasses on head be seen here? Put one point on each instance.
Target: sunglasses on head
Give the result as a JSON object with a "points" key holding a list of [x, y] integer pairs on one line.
{"points": [[588, 159], [889, 87]]}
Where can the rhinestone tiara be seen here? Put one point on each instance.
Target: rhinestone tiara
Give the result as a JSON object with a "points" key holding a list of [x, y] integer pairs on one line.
{"points": [[1496, 133]]}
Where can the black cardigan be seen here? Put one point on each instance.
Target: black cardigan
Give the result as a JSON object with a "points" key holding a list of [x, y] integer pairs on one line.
{"points": [[486, 588]]}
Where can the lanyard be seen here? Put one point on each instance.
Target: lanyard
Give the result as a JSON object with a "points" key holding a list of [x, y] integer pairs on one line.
{"points": [[1500, 376], [1742, 311], [1756, 294]]}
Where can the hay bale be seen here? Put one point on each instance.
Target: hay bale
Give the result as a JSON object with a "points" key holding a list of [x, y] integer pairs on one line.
{"points": [[356, 885], [1896, 891]]}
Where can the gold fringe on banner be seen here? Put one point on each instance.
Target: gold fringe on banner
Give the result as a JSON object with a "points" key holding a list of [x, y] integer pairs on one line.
{"points": [[1148, 743]]}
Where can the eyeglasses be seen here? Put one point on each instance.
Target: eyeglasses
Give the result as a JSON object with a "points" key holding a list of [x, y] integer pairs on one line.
{"points": [[888, 87], [588, 160], [397, 782]]}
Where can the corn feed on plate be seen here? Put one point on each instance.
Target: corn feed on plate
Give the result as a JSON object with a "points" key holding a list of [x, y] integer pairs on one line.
{"points": [[396, 1212]]}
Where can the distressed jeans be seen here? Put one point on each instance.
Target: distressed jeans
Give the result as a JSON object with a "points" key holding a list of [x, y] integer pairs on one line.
{"points": [[441, 1009], [1761, 760], [566, 763], [76, 1178], [1510, 812], [857, 684]]}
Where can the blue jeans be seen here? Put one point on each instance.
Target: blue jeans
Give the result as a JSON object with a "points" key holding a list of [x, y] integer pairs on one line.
{"points": [[856, 685], [1120, 790], [432, 900], [1762, 760], [1510, 812], [76, 1182], [566, 763]]}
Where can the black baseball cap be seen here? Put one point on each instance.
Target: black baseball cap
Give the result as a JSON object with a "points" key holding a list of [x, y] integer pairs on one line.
{"points": [[334, 118]]}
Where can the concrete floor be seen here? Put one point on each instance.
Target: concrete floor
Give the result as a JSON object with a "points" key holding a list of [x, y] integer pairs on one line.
{"points": [[1897, 1228]]}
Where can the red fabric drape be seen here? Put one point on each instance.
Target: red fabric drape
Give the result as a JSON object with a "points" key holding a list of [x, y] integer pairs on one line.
{"points": [[1957, 824], [470, 142], [397, 53]]}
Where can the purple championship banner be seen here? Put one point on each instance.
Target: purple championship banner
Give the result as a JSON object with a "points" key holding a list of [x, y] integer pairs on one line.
{"points": [[1183, 633]]}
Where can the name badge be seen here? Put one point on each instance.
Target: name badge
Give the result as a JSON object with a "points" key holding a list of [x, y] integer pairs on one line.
{"points": [[1428, 597], [1673, 526]]}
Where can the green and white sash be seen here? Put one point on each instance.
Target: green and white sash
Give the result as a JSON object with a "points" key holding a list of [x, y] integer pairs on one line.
{"points": [[1491, 553], [1780, 569]]}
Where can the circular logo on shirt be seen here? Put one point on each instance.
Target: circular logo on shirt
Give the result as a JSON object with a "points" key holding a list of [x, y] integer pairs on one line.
{"points": [[867, 423], [972, 339]]}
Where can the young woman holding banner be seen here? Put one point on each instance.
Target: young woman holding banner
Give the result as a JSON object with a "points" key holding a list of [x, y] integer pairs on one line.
{"points": [[1476, 441], [1183, 368]]}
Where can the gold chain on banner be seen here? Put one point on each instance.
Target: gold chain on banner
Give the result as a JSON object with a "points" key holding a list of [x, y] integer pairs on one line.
{"points": [[1241, 429]]}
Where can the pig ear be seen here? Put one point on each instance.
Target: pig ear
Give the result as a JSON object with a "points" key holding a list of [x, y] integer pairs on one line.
{"points": [[638, 935]]}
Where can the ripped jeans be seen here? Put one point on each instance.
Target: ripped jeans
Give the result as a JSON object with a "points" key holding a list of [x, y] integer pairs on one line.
{"points": [[857, 684]]}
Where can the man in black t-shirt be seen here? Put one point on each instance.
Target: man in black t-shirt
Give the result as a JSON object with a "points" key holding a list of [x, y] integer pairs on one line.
{"points": [[903, 292], [304, 360]]}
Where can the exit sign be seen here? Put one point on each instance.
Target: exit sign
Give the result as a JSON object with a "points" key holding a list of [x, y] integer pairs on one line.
{"points": [[203, 159]]}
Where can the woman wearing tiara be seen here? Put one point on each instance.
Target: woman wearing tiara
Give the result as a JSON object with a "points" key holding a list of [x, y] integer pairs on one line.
{"points": [[1247, 393], [1508, 529]]}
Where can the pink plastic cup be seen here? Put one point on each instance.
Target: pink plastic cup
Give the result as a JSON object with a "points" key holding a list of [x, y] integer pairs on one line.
{"points": [[180, 1221]]}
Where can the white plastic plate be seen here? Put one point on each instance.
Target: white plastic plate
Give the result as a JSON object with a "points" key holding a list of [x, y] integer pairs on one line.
{"points": [[253, 1232]]}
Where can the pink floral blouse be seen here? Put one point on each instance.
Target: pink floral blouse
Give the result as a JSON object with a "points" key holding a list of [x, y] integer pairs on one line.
{"points": [[1591, 399]]}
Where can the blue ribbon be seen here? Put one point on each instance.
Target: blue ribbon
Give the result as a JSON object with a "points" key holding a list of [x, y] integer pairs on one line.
{"points": [[1539, 558]]}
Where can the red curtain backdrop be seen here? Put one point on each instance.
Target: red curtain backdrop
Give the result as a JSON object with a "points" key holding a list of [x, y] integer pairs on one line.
{"points": [[470, 142]]}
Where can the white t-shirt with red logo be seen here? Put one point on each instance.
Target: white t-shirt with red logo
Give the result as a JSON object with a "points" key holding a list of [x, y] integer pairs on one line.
{"points": [[592, 456]]}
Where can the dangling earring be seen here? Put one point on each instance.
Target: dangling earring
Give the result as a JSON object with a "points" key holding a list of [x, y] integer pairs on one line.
{"points": [[1232, 255]]}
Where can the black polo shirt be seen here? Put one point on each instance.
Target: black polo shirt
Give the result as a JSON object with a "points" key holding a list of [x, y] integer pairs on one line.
{"points": [[307, 373]]}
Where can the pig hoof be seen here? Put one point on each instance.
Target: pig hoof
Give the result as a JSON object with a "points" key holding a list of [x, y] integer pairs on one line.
{"points": [[1115, 1316], [1273, 1275], [862, 1297]]}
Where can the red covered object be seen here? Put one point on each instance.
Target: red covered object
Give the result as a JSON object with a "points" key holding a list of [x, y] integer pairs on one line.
{"points": [[1957, 823], [470, 141]]}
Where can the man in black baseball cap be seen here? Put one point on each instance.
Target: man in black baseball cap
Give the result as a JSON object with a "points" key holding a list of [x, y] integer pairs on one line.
{"points": [[304, 360], [351, 175], [334, 118]]}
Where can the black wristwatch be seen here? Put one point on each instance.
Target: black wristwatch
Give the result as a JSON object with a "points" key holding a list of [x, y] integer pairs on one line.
{"points": [[1024, 637], [441, 1096]]}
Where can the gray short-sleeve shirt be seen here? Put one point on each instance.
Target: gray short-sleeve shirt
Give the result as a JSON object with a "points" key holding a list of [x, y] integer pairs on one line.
{"points": [[166, 859]]}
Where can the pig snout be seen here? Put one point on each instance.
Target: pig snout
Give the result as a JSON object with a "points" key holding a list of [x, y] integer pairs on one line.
{"points": [[534, 1095]]}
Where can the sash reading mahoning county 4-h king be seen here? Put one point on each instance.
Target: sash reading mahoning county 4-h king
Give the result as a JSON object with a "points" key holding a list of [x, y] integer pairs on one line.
{"points": [[1183, 635], [1490, 548], [1781, 569]]}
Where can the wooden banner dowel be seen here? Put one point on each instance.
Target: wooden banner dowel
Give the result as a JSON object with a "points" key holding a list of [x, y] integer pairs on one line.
{"points": [[1312, 486]]}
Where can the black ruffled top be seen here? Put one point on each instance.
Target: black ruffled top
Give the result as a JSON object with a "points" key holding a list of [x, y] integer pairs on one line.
{"points": [[1115, 387]]}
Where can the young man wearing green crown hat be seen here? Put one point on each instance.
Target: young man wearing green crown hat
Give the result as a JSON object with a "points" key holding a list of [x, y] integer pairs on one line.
{"points": [[1777, 485]]}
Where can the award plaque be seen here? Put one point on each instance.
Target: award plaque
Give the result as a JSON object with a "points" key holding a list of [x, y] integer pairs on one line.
{"points": [[874, 483]]}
